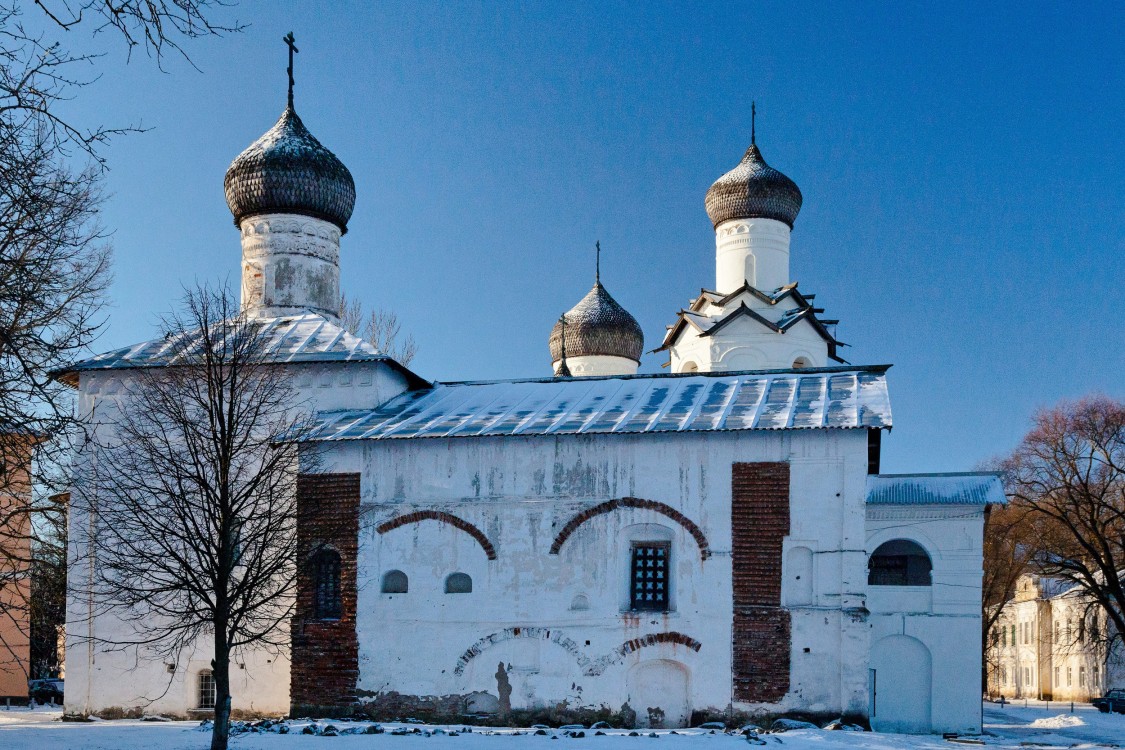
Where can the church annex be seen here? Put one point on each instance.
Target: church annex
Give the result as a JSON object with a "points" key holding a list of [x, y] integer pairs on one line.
{"points": [[656, 549]]}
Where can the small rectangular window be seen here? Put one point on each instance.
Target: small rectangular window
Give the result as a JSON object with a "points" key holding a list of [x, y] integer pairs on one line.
{"points": [[206, 689], [1069, 675], [1058, 683], [648, 583]]}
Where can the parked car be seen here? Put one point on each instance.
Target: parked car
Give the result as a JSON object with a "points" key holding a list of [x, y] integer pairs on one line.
{"points": [[1113, 701], [46, 691]]}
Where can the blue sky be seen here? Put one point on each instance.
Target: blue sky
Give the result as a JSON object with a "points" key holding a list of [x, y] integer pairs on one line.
{"points": [[962, 168]]}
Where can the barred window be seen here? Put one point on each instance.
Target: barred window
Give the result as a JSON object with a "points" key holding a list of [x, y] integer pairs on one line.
{"points": [[326, 582], [649, 580], [206, 689]]}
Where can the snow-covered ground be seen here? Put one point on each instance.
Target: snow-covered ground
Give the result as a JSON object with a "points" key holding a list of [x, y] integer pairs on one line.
{"points": [[1005, 727]]}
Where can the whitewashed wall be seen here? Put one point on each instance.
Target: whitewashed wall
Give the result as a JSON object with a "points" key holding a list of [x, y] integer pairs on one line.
{"points": [[100, 676], [521, 492], [925, 640]]}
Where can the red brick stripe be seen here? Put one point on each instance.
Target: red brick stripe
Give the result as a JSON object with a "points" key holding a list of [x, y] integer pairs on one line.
{"points": [[761, 629], [325, 653], [633, 502], [437, 515]]}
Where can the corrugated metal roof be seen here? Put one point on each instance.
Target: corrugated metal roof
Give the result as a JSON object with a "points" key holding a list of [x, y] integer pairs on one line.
{"points": [[290, 339], [974, 488], [830, 397]]}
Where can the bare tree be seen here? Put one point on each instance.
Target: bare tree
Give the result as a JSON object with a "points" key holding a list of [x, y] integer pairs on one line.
{"points": [[192, 504], [54, 254], [1068, 475], [1009, 549], [380, 328]]}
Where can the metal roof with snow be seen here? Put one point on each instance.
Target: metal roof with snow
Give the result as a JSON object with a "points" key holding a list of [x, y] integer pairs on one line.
{"points": [[829, 397], [967, 488], [285, 340]]}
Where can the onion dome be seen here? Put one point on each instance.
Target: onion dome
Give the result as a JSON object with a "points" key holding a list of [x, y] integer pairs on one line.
{"points": [[288, 171], [597, 325], [753, 190]]}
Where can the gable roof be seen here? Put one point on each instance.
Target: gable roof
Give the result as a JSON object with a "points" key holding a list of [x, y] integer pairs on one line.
{"points": [[828, 397], [804, 310], [285, 340], [961, 488]]}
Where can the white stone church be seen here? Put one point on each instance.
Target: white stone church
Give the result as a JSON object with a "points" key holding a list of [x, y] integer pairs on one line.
{"points": [[656, 550]]}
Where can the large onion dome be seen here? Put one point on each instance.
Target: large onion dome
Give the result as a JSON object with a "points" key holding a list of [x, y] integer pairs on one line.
{"points": [[753, 190], [597, 325], [288, 171]]}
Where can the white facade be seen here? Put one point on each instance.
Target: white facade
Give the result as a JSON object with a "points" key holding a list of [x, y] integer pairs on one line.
{"points": [[106, 679], [573, 607], [925, 657]]}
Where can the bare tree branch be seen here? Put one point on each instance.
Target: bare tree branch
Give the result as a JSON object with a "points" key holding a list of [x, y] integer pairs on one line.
{"points": [[380, 328], [193, 504]]}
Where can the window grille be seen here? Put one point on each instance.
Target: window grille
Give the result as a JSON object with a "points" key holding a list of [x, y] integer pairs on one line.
{"points": [[326, 581], [206, 689], [649, 579]]}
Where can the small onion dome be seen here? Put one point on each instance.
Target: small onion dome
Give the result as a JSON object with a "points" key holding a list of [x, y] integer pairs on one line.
{"points": [[288, 171], [597, 325], [753, 190]]}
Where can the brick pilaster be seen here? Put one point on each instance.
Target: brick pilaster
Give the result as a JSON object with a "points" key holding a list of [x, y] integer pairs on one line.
{"points": [[761, 630], [325, 652]]}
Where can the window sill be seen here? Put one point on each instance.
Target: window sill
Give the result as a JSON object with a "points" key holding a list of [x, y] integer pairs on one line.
{"points": [[641, 614]]}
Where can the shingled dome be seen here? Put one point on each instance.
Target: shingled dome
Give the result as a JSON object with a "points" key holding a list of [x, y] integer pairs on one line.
{"points": [[753, 190], [288, 171], [597, 325]]}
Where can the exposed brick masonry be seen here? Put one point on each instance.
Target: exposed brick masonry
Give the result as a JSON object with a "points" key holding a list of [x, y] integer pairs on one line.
{"points": [[443, 517], [325, 652], [761, 628], [633, 502]]}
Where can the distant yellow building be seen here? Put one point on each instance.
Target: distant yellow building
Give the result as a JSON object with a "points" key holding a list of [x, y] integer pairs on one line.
{"points": [[1050, 644]]}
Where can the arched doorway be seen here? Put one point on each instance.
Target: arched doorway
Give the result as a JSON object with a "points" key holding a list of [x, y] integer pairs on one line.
{"points": [[658, 692], [901, 685]]}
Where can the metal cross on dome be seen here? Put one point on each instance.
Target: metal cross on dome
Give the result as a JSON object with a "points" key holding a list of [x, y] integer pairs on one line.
{"points": [[291, 43]]}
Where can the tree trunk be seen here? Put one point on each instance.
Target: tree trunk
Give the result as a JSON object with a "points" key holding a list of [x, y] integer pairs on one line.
{"points": [[220, 665]]}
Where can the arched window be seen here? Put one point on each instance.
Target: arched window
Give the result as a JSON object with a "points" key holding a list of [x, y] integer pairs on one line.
{"points": [[689, 366], [395, 582], [801, 363], [326, 584], [899, 562], [458, 583]]}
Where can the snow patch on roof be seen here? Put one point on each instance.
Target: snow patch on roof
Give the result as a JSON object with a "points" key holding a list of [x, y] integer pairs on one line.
{"points": [[845, 398], [970, 488]]}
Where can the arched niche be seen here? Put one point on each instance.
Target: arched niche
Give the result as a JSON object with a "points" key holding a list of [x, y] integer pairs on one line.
{"points": [[798, 585]]}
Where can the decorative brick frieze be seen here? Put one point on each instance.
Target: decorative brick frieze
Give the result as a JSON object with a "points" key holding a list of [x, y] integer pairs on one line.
{"points": [[761, 628], [325, 653], [443, 517], [633, 502]]}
